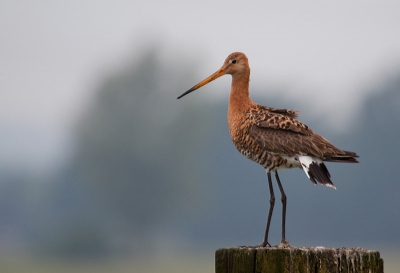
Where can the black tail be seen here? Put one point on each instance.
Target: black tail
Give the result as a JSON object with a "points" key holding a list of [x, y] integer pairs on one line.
{"points": [[319, 172]]}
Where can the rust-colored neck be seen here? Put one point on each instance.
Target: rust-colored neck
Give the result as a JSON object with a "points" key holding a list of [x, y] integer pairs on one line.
{"points": [[239, 97]]}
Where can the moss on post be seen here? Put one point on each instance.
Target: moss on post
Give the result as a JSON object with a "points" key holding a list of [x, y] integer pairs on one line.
{"points": [[297, 260]]}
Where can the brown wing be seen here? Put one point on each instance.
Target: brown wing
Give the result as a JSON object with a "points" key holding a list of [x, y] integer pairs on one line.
{"points": [[289, 142], [276, 131], [266, 117], [287, 112]]}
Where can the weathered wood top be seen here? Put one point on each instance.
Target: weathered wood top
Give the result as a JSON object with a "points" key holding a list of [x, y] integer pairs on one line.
{"points": [[297, 259]]}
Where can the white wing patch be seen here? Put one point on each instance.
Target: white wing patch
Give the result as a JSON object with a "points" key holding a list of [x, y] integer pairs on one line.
{"points": [[306, 161]]}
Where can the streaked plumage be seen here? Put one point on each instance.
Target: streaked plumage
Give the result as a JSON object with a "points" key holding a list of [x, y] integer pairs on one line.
{"points": [[273, 137]]}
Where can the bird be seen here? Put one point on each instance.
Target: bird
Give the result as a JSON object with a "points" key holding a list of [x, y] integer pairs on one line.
{"points": [[273, 137]]}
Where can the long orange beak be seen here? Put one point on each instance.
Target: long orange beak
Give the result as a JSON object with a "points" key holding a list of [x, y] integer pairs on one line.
{"points": [[214, 76]]}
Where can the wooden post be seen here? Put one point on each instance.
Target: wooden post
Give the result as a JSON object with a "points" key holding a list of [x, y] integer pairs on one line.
{"points": [[297, 260]]}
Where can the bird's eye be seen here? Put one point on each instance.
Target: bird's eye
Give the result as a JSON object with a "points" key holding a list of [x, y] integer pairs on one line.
{"points": [[233, 61]]}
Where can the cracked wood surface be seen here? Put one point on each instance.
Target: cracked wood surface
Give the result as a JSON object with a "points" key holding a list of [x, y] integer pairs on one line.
{"points": [[297, 259]]}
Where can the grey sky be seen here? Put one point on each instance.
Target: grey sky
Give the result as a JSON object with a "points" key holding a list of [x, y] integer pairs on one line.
{"points": [[53, 52]]}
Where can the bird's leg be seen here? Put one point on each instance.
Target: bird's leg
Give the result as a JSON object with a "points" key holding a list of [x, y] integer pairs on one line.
{"points": [[283, 243], [271, 208]]}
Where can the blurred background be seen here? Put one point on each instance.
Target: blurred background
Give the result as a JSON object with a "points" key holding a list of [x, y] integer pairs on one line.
{"points": [[102, 169]]}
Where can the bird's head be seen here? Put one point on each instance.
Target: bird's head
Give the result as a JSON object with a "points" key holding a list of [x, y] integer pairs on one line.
{"points": [[235, 63]]}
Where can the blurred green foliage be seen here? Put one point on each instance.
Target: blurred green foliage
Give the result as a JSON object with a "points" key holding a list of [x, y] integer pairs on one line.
{"points": [[151, 173]]}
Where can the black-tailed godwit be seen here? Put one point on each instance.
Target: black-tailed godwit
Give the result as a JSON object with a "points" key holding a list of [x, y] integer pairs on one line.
{"points": [[273, 137]]}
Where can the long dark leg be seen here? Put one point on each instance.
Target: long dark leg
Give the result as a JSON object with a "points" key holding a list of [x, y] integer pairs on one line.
{"points": [[283, 199], [271, 208]]}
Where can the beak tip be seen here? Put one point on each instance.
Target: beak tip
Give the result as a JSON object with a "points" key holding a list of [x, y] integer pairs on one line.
{"points": [[217, 74]]}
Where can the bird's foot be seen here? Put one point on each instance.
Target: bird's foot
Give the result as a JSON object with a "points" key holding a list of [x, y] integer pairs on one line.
{"points": [[258, 246], [283, 244], [264, 244]]}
